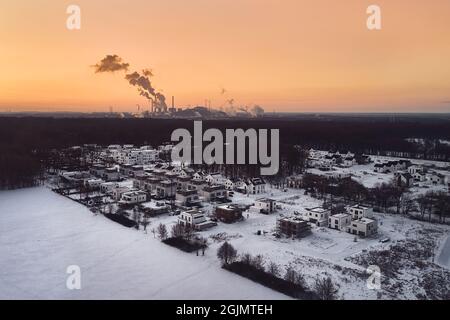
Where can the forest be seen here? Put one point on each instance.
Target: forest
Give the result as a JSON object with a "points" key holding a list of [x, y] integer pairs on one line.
{"points": [[25, 142]]}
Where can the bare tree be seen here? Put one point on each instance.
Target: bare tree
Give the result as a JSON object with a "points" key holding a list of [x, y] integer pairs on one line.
{"points": [[145, 222], [136, 217], [162, 231], [290, 275], [204, 245], [227, 253], [407, 204], [258, 262], [274, 269], [325, 289], [188, 232], [178, 231], [246, 258]]}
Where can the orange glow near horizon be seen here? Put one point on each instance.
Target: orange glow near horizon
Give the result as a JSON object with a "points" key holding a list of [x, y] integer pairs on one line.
{"points": [[287, 56]]}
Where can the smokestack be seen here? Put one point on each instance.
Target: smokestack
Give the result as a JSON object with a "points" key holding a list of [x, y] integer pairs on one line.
{"points": [[151, 103], [173, 102]]}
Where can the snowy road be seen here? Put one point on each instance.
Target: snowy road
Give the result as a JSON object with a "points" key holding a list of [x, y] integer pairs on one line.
{"points": [[42, 233]]}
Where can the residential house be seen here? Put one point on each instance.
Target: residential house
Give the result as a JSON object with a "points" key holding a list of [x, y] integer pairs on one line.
{"points": [[228, 213], [339, 221], [363, 227], [136, 171], [317, 215], [97, 170], [118, 192], [155, 208], [215, 179], [403, 178], [294, 182], [196, 185], [107, 187], [151, 183], [252, 186], [265, 205], [186, 198], [93, 183], [435, 178], [195, 219], [358, 212], [126, 169], [231, 183], [111, 174], [415, 169], [213, 193], [293, 227], [133, 197], [199, 176], [183, 183], [166, 189]]}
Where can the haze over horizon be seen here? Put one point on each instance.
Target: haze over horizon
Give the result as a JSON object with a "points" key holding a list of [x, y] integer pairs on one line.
{"points": [[293, 56]]}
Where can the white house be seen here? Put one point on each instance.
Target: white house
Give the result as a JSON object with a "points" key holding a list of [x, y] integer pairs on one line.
{"points": [[253, 186], [435, 178], [213, 193], [363, 227], [392, 166], [118, 192], [419, 176], [199, 176], [358, 212], [349, 161], [231, 183], [415, 169], [339, 221], [215, 179], [133, 197], [265, 205], [195, 219], [317, 215]]}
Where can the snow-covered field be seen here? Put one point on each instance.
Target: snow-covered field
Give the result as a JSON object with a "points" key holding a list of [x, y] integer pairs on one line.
{"points": [[42, 233]]}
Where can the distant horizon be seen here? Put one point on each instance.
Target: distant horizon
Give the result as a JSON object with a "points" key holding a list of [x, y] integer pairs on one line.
{"points": [[266, 113], [301, 56]]}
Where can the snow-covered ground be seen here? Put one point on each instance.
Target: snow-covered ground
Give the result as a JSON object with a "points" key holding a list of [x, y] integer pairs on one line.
{"points": [[42, 233], [366, 175]]}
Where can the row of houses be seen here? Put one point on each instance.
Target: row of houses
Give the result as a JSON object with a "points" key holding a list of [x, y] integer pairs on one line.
{"points": [[392, 166], [416, 173], [320, 159], [129, 154], [358, 220]]}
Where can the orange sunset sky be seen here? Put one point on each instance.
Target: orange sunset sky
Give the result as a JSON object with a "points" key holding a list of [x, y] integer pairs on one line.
{"points": [[285, 55]]}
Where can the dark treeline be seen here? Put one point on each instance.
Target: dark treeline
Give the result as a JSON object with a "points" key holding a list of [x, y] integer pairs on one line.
{"points": [[24, 142]]}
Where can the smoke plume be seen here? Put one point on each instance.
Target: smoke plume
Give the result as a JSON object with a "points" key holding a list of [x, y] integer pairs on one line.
{"points": [[111, 63], [141, 81]]}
